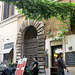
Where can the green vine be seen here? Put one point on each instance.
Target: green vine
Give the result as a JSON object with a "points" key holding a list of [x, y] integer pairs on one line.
{"points": [[38, 9]]}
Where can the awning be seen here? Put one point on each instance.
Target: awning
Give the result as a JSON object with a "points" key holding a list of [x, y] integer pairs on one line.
{"points": [[58, 51], [5, 51]]}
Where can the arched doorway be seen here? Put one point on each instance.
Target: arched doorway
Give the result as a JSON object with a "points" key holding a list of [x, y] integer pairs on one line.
{"points": [[25, 34], [30, 44]]}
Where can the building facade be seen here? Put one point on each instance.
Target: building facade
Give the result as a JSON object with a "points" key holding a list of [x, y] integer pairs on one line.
{"points": [[20, 38], [54, 46], [8, 31], [27, 38]]}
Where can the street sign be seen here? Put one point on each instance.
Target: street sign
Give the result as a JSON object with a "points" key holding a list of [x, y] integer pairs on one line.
{"points": [[21, 66]]}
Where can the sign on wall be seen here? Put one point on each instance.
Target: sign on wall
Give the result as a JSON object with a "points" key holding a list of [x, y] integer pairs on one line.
{"points": [[70, 58]]}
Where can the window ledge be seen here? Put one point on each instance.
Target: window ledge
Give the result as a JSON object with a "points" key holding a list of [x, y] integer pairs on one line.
{"points": [[7, 19]]}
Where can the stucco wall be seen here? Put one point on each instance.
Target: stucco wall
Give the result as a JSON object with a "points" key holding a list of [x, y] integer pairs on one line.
{"points": [[20, 21], [66, 42], [48, 44], [8, 30], [0, 10], [70, 41]]}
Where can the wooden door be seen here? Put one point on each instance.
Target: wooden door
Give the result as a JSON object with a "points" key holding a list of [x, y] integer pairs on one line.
{"points": [[54, 63], [30, 50]]}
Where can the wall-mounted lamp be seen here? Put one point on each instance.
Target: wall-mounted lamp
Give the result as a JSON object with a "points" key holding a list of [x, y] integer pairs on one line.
{"points": [[44, 23], [45, 52], [70, 48], [7, 39]]}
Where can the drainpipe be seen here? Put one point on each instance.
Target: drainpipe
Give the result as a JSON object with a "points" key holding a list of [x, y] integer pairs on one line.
{"points": [[64, 45]]}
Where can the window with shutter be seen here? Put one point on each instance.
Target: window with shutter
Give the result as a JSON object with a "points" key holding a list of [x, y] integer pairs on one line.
{"points": [[12, 10], [8, 10], [0, 13]]}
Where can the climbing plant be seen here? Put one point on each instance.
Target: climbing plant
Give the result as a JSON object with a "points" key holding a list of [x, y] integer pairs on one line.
{"points": [[38, 9]]}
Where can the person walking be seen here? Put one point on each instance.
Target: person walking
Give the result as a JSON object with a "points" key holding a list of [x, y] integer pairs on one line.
{"points": [[61, 65], [35, 66]]}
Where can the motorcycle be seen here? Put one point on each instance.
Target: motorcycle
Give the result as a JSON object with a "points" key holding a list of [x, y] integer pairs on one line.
{"points": [[4, 70]]}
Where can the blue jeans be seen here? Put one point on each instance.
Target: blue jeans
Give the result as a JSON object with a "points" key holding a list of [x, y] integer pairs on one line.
{"points": [[61, 73]]}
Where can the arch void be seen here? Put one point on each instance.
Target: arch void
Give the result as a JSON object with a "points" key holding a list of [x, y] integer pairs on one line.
{"points": [[30, 33]]}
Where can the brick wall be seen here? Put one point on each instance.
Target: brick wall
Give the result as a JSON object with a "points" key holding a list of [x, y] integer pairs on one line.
{"points": [[53, 24]]}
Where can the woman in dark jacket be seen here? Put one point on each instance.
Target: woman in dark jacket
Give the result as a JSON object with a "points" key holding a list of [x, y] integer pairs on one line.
{"points": [[35, 66]]}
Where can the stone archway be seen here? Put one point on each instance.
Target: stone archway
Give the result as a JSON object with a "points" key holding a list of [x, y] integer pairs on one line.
{"points": [[39, 26]]}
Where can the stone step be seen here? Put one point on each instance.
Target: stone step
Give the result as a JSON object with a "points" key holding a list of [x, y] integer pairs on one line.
{"points": [[41, 40], [41, 48], [41, 44], [40, 26], [42, 67], [40, 56], [42, 29], [18, 52], [19, 33], [19, 36], [19, 42], [18, 45], [41, 63], [41, 59], [40, 52], [41, 37], [42, 32], [42, 71]]}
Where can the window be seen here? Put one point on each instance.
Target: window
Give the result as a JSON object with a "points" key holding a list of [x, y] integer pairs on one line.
{"points": [[9, 45], [8, 10], [0, 13], [73, 24]]}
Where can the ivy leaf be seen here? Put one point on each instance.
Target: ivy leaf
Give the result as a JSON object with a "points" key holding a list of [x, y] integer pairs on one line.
{"points": [[51, 35], [48, 32]]}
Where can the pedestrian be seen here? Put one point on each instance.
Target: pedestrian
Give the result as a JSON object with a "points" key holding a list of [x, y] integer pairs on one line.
{"points": [[35, 66], [16, 64], [61, 65]]}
